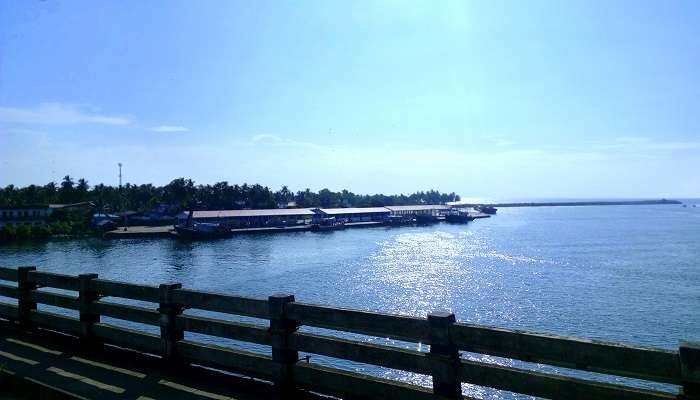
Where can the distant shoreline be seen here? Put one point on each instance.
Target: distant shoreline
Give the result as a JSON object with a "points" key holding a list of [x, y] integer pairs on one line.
{"points": [[577, 203]]}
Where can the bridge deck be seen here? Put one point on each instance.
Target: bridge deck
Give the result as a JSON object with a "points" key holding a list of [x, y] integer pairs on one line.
{"points": [[49, 365]]}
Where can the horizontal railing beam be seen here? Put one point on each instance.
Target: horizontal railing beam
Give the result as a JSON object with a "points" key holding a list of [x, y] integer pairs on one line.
{"points": [[224, 329], [367, 353], [8, 311], [131, 291], [227, 359], [129, 313], [608, 358], [128, 338], [408, 329], [8, 291], [55, 322], [222, 303], [53, 280], [55, 299], [8, 274], [346, 383], [549, 386]]}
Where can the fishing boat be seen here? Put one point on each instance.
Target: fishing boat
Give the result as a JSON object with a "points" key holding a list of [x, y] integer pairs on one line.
{"points": [[397, 220], [328, 224], [201, 230], [458, 217], [425, 219], [486, 209]]}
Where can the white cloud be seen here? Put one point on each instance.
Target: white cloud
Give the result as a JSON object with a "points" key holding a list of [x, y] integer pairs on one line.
{"points": [[266, 138], [58, 114], [168, 128]]}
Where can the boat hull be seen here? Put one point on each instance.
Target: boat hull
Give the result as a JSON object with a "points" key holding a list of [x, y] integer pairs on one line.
{"points": [[327, 228], [194, 234], [426, 219], [458, 219]]}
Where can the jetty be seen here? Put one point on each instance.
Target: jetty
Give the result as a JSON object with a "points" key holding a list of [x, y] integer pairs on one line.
{"points": [[131, 232], [261, 221], [143, 232], [77, 351], [573, 203], [300, 219]]}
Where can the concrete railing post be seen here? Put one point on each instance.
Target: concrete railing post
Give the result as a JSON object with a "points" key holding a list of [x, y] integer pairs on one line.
{"points": [[86, 297], [169, 333], [444, 356], [25, 305], [690, 370], [280, 329]]}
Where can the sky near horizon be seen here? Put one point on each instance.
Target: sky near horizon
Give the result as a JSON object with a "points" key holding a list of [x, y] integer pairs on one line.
{"points": [[487, 99]]}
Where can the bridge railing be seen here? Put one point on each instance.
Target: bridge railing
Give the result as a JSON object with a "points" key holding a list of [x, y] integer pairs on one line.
{"points": [[443, 362]]}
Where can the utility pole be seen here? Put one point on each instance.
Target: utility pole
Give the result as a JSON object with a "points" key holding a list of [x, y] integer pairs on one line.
{"points": [[121, 193]]}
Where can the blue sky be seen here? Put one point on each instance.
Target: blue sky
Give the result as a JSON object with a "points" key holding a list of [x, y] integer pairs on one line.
{"points": [[488, 99]]}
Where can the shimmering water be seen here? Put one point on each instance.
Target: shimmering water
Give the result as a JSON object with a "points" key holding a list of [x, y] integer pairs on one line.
{"points": [[622, 273]]}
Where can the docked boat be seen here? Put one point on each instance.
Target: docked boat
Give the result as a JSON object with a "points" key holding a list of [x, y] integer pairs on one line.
{"points": [[425, 219], [328, 224], [486, 209], [458, 217], [201, 230], [398, 220]]}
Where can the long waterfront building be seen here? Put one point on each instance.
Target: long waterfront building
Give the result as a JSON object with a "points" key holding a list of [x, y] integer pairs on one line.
{"points": [[299, 216]]}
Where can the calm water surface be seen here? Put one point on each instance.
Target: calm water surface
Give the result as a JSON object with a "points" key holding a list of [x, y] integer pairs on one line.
{"points": [[622, 273]]}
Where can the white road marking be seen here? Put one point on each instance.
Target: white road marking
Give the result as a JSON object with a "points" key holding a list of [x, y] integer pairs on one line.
{"points": [[34, 346], [18, 358], [109, 367], [86, 380]]}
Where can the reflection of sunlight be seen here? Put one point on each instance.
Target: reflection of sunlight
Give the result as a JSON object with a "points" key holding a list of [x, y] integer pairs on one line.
{"points": [[422, 269], [512, 259], [416, 272], [419, 272]]}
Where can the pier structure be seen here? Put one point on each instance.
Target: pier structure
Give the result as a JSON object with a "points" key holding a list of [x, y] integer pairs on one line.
{"points": [[354, 214], [302, 216], [78, 351], [298, 219], [260, 217], [570, 203], [424, 209]]}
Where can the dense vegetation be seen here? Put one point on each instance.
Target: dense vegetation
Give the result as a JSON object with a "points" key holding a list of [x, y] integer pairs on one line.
{"points": [[182, 193], [61, 222]]}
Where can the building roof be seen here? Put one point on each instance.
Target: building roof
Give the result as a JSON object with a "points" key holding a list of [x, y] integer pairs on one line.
{"points": [[422, 207], [73, 205], [363, 210], [272, 212], [27, 207], [282, 212]]}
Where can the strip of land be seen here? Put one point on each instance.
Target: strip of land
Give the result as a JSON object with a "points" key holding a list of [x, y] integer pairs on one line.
{"points": [[376, 216], [578, 203]]}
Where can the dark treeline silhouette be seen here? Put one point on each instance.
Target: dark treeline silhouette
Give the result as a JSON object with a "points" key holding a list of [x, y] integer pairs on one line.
{"points": [[182, 194]]}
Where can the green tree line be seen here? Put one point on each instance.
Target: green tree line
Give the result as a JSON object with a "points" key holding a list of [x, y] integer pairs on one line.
{"points": [[182, 193], [61, 222]]}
